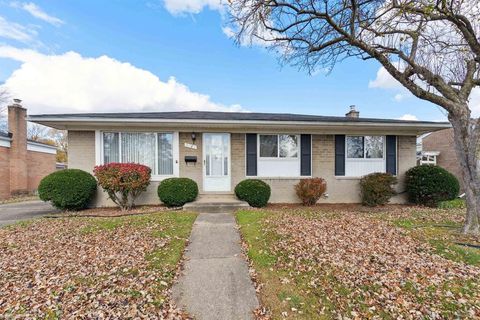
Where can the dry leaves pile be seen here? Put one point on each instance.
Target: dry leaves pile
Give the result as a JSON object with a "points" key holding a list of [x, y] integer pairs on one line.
{"points": [[360, 267], [65, 268]]}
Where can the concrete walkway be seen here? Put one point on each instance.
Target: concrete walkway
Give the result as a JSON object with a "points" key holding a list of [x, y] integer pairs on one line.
{"points": [[215, 283], [14, 212]]}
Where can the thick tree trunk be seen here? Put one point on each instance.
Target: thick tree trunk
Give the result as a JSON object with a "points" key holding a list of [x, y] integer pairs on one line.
{"points": [[466, 137]]}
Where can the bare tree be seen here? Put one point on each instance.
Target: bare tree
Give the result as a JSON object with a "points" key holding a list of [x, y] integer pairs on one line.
{"points": [[37, 132], [432, 47], [61, 141]]}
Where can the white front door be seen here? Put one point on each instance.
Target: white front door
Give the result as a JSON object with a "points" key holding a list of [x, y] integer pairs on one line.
{"points": [[216, 162]]}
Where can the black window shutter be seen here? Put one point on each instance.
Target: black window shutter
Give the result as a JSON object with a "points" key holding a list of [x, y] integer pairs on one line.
{"points": [[392, 154], [306, 155], [251, 154], [340, 155]]}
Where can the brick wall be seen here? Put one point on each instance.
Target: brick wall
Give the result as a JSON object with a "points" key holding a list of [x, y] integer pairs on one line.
{"points": [[40, 165], [442, 141], [17, 125], [21, 170], [339, 189], [81, 150]]}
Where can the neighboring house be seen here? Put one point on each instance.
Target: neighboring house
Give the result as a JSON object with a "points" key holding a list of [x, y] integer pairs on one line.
{"points": [[219, 149], [23, 163], [439, 148]]}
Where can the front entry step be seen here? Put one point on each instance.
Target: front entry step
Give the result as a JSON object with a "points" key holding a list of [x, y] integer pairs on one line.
{"points": [[221, 203]]}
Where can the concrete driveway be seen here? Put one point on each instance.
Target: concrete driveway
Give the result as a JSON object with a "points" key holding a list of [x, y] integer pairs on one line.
{"points": [[13, 212]]}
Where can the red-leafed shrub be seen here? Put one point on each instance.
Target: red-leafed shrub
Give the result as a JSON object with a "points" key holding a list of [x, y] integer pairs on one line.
{"points": [[123, 182], [310, 190]]}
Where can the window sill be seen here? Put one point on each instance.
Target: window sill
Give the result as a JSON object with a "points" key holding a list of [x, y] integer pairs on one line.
{"points": [[279, 178], [351, 178], [347, 178]]}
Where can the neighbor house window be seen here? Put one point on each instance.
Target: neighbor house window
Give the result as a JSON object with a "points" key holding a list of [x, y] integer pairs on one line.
{"points": [[364, 147], [152, 149], [278, 146]]}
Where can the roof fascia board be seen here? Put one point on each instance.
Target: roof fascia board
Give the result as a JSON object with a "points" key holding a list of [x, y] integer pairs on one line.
{"points": [[237, 122]]}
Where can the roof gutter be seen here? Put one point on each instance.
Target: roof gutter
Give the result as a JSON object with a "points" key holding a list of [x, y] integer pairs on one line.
{"points": [[253, 122]]}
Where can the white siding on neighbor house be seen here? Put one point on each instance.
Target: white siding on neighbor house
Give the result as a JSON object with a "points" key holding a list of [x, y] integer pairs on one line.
{"points": [[5, 142], [39, 147]]}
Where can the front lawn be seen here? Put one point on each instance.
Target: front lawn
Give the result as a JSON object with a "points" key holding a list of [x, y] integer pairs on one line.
{"points": [[357, 263], [84, 267]]}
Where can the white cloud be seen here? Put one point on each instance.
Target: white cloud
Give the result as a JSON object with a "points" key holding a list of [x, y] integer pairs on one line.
{"points": [[38, 13], [264, 39], [409, 117], [384, 80], [228, 32], [399, 97], [71, 83], [15, 31], [177, 7]]}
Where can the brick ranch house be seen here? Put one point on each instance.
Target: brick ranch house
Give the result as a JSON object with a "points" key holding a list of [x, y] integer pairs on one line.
{"points": [[23, 163], [219, 149]]}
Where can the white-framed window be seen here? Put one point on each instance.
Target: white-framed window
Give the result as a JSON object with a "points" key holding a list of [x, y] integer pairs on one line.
{"points": [[428, 157], [278, 155], [157, 150], [365, 147], [364, 155], [281, 146]]}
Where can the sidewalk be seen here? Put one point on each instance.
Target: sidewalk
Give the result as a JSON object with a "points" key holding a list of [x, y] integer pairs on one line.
{"points": [[215, 283]]}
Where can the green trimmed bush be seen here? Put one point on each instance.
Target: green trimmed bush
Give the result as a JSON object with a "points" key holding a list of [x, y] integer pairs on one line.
{"points": [[69, 189], [428, 185], [376, 188], [254, 191], [175, 192]]}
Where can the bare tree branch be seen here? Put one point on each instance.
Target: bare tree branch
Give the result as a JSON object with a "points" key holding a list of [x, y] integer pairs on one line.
{"points": [[431, 47]]}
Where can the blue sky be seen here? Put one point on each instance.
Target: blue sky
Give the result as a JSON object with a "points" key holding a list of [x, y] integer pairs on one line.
{"points": [[82, 56]]}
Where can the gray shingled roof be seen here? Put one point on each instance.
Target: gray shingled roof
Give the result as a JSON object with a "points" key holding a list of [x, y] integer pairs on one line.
{"points": [[227, 116]]}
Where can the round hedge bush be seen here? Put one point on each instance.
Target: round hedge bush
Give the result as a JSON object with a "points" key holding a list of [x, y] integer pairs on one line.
{"points": [[69, 189], [376, 188], [429, 184], [254, 191], [175, 192]]}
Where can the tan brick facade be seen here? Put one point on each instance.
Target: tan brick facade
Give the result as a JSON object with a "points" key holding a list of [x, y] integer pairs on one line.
{"points": [[339, 189], [442, 141], [22, 169]]}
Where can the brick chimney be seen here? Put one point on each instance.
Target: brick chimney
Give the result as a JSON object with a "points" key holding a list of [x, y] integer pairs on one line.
{"points": [[17, 125], [353, 113]]}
